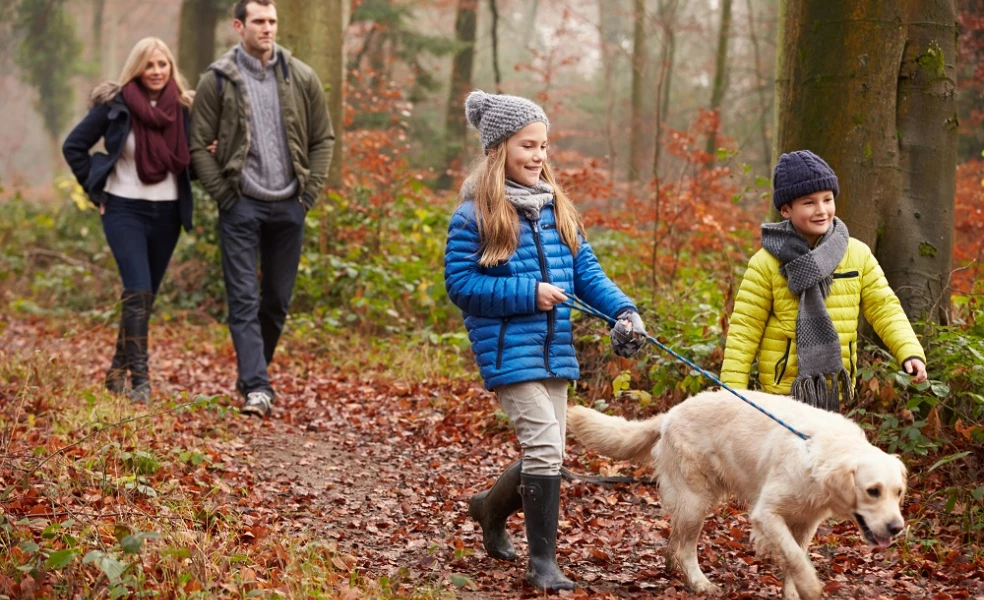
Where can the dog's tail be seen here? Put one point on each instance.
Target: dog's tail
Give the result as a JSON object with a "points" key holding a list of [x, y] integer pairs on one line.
{"points": [[614, 437]]}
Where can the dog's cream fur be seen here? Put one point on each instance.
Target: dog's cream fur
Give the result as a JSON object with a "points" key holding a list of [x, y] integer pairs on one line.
{"points": [[714, 445]]}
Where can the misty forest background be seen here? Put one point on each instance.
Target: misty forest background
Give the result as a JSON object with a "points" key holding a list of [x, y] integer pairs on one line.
{"points": [[666, 119]]}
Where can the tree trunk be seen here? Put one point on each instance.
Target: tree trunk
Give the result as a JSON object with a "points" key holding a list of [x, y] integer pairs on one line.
{"points": [[638, 73], [607, 21], [667, 17], [334, 82], [720, 72], [890, 134], [314, 32], [455, 123], [494, 9], [765, 95], [98, 11], [918, 256], [196, 38]]}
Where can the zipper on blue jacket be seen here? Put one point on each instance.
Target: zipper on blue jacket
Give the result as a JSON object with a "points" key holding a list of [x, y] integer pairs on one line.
{"points": [[546, 278]]}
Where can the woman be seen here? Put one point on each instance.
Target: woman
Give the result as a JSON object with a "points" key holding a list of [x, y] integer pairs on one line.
{"points": [[142, 186]]}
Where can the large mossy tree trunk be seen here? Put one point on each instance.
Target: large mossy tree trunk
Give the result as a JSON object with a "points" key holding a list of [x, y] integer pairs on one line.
{"points": [[315, 33], [869, 86], [455, 124]]}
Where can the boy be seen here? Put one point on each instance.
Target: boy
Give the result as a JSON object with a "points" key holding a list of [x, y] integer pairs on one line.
{"points": [[808, 284]]}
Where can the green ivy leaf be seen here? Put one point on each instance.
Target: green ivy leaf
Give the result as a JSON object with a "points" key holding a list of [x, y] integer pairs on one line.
{"points": [[60, 559], [131, 544], [948, 459], [462, 581], [111, 567]]}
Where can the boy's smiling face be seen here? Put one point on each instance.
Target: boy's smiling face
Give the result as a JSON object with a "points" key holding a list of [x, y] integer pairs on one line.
{"points": [[811, 215]]}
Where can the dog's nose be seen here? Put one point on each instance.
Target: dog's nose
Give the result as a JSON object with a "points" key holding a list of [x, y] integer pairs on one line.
{"points": [[894, 527]]}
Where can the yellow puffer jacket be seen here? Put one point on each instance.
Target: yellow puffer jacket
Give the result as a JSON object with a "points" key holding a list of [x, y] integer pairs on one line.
{"points": [[764, 319]]}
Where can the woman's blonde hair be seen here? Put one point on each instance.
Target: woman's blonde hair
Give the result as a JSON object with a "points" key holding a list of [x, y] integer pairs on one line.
{"points": [[135, 65], [497, 219]]}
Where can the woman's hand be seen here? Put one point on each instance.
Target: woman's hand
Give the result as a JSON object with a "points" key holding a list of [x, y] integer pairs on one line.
{"points": [[102, 209], [213, 147], [548, 296]]}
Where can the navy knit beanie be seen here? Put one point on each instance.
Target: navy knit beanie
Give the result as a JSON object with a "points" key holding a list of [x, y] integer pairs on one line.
{"points": [[798, 174]]}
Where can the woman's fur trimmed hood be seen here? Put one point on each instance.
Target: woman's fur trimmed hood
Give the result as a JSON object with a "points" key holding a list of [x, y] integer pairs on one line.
{"points": [[104, 93]]}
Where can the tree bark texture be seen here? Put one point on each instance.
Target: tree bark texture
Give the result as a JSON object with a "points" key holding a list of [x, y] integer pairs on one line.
{"points": [[497, 74], [455, 123], [720, 71], [196, 38], [98, 12], [667, 17], [638, 73], [869, 86], [314, 32]]}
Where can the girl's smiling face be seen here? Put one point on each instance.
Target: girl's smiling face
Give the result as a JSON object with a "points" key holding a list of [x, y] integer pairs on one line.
{"points": [[526, 152], [811, 215]]}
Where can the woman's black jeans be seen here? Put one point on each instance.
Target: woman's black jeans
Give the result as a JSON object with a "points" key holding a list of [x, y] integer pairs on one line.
{"points": [[142, 235]]}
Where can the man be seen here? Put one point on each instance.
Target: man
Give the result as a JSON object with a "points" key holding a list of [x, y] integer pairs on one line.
{"points": [[267, 112]]}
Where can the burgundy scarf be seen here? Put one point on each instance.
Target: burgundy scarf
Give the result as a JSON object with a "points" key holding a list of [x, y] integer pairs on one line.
{"points": [[159, 131]]}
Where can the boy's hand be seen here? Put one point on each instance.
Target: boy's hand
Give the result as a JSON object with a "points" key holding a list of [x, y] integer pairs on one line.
{"points": [[548, 296], [917, 369]]}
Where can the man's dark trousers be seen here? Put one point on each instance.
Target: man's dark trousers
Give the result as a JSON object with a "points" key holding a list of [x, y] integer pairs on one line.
{"points": [[271, 232]]}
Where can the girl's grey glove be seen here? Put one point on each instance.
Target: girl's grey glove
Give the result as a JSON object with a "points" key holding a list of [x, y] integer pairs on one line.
{"points": [[628, 334]]}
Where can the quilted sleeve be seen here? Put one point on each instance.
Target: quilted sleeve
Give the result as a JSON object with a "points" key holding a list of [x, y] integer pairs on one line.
{"points": [[593, 286], [753, 305], [471, 290]]}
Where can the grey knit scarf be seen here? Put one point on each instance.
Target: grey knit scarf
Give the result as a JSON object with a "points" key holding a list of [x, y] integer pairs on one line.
{"points": [[529, 200], [822, 379]]}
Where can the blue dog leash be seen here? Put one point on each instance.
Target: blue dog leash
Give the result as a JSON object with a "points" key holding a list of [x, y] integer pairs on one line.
{"points": [[575, 302]]}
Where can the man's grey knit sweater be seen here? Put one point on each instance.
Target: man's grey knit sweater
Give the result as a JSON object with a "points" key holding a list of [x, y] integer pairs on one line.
{"points": [[269, 172]]}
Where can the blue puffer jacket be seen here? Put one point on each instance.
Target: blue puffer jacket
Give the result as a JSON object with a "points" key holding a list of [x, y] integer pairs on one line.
{"points": [[514, 342]]}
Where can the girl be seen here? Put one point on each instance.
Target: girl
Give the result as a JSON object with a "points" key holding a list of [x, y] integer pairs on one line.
{"points": [[142, 186], [515, 251]]}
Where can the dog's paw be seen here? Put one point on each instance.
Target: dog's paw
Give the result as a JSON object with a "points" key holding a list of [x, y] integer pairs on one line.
{"points": [[808, 588], [705, 587]]}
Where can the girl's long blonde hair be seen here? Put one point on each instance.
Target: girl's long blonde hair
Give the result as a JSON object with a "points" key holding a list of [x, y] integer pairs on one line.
{"points": [[134, 66], [497, 219]]}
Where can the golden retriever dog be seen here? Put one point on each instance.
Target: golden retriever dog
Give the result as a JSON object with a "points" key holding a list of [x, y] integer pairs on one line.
{"points": [[714, 445]]}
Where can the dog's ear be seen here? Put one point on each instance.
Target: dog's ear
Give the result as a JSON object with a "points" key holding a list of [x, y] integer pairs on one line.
{"points": [[838, 482], [904, 471]]}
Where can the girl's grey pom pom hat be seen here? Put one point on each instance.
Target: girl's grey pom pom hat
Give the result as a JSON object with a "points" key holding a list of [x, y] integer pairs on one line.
{"points": [[498, 116]]}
